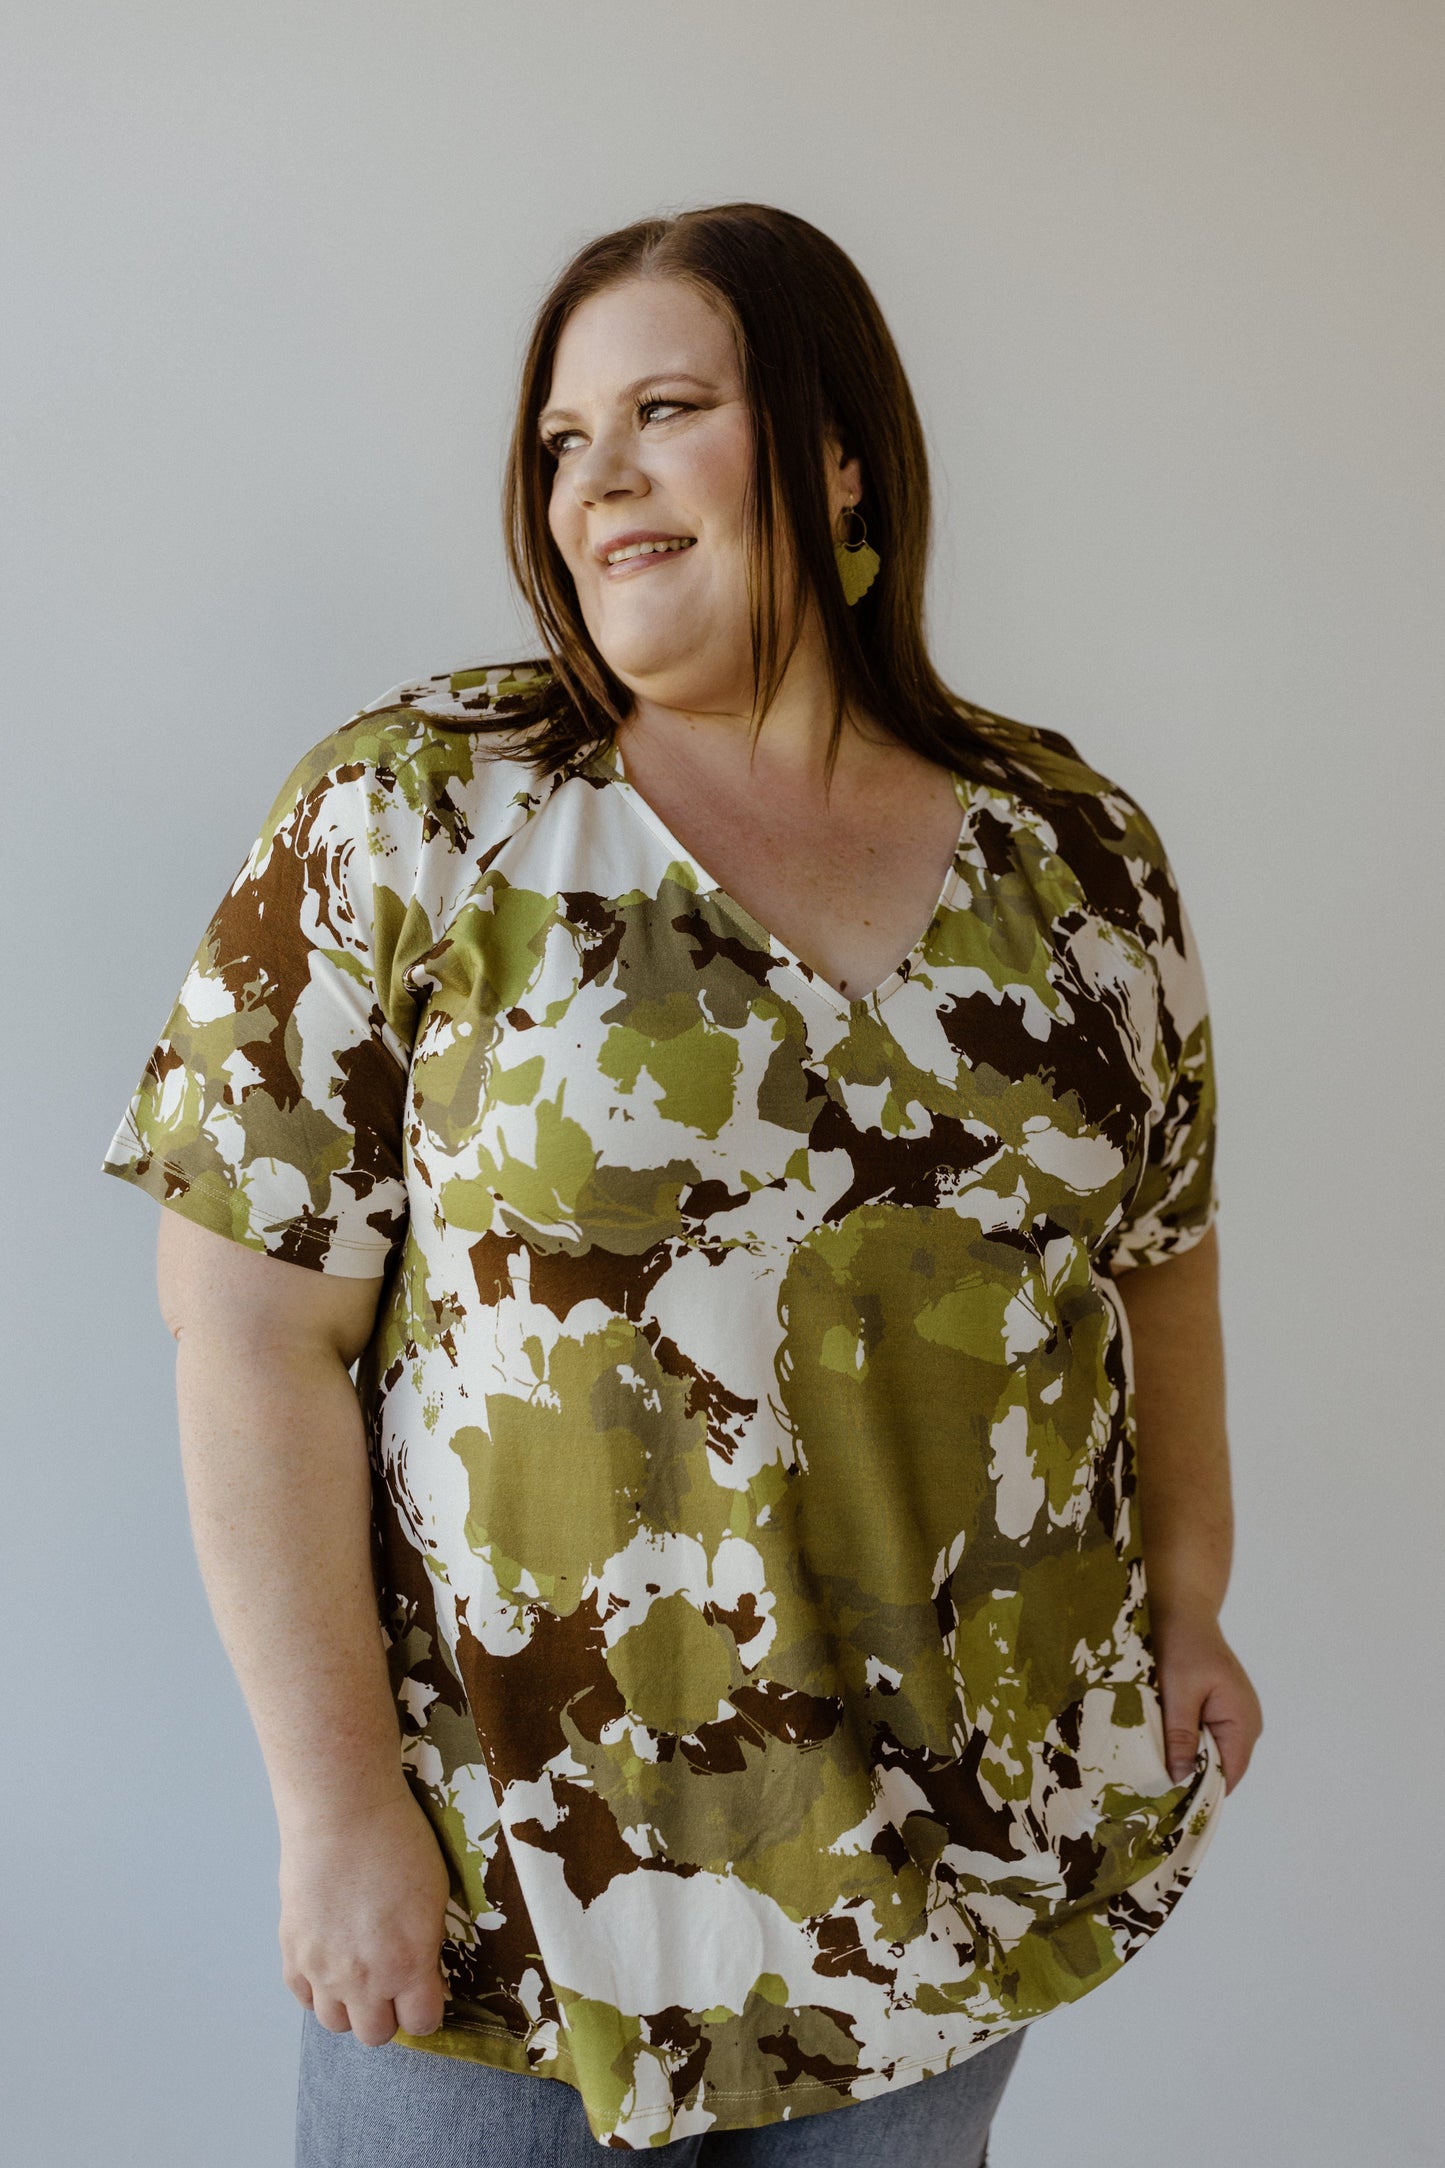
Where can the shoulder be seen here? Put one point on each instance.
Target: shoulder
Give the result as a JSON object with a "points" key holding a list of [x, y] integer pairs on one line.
{"points": [[434, 757], [1097, 824]]}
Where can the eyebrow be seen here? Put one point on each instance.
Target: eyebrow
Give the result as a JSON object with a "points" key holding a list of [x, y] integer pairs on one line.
{"points": [[630, 391]]}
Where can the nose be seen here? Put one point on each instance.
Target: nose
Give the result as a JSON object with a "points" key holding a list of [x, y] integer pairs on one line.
{"points": [[606, 469]]}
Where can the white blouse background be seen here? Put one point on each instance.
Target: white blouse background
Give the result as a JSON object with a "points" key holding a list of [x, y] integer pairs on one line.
{"points": [[1169, 285]]}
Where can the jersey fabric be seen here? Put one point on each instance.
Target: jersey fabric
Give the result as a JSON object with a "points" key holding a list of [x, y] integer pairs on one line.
{"points": [[750, 1401]]}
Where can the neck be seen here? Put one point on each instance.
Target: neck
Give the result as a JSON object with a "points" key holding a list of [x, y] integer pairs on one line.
{"points": [[792, 744]]}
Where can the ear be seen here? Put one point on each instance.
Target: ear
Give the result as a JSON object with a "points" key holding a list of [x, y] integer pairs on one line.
{"points": [[845, 476]]}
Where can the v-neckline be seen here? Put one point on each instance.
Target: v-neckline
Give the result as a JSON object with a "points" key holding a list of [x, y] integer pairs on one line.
{"points": [[608, 761]]}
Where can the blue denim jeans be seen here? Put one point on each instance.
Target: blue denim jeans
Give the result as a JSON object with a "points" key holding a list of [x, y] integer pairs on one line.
{"points": [[396, 2107]]}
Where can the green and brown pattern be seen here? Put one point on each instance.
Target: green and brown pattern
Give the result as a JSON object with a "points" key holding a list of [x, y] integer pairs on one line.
{"points": [[750, 1402]]}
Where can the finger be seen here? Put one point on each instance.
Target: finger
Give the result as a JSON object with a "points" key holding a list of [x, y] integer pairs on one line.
{"points": [[1182, 1708], [421, 2009], [1232, 1714], [1235, 1747], [331, 2014], [1181, 1750], [374, 2023], [1183, 1705]]}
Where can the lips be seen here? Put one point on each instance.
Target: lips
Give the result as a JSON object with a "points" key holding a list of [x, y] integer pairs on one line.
{"points": [[635, 535]]}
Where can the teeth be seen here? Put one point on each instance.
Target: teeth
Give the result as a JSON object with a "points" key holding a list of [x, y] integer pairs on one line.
{"points": [[648, 549]]}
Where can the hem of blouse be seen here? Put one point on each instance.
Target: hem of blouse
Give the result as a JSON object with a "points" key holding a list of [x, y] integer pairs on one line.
{"points": [[1170, 1881], [882, 2080], [445, 2041], [1174, 1875]]}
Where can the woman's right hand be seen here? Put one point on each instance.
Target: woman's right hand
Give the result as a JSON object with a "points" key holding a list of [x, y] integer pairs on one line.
{"points": [[278, 1474], [363, 1898]]}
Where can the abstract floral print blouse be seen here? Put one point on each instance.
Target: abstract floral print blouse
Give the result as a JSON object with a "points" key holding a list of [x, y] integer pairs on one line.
{"points": [[749, 1401]]}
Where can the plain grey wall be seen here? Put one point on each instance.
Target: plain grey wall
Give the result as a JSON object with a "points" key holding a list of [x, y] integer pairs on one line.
{"points": [[1168, 281]]}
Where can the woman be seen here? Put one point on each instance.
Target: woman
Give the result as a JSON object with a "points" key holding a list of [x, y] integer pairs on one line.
{"points": [[708, 1081]]}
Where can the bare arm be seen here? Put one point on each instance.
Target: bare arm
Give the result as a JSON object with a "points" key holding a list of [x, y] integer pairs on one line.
{"points": [[1185, 1506], [278, 1483]]}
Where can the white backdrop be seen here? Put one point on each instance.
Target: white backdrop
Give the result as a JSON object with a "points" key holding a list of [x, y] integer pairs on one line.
{"points": [[1168, 281]]}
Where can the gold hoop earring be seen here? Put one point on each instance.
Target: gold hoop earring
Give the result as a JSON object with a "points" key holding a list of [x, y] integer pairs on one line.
{"points": [[858, 563]]}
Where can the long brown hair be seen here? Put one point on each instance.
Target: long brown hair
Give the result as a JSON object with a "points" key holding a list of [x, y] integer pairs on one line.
{"points": [[816, 358]]}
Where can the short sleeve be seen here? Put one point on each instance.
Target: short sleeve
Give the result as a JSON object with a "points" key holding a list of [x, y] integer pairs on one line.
{"points": [[1176, 1199], [271, 1107]]}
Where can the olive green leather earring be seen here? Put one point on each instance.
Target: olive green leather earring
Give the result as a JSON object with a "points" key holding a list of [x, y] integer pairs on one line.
{"points": [[857, 562]]}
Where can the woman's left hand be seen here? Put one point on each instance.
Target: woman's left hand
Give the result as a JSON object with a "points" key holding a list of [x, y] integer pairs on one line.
{"points": [[1202, 1681]]}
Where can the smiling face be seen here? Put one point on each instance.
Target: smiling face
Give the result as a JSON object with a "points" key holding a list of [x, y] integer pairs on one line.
{"points": [[649, 425]]}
